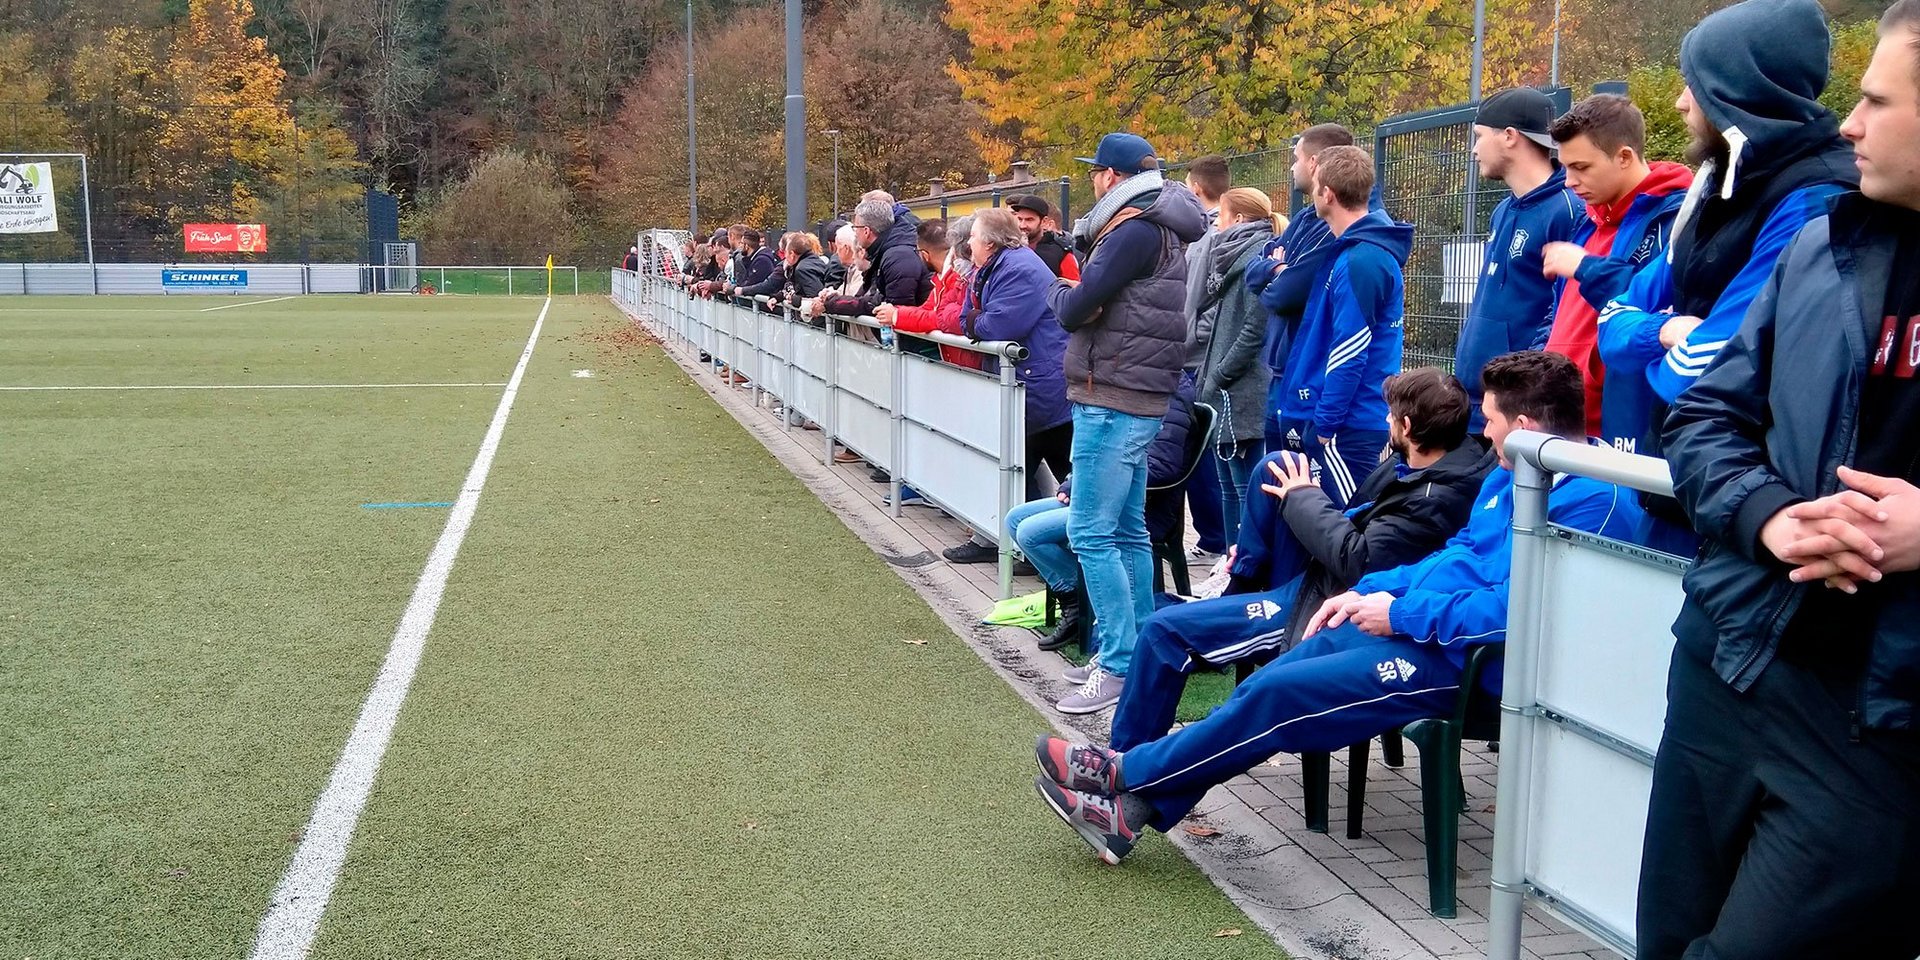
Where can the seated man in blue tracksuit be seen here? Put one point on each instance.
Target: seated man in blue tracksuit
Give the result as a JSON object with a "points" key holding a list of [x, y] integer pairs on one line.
{"points": [[1386, 653], [1350, 336], [1297, 549]]}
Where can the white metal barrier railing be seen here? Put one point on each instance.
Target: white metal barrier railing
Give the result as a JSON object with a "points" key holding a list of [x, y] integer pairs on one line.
{"points": [[1583, 703], [956, 436]]}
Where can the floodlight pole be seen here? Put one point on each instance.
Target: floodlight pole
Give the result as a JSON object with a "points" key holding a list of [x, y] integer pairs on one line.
{"points": [[796, 123], [693, 176], [834, 135]]}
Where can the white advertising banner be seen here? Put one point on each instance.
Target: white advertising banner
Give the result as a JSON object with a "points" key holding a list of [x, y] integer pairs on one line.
{"points": [[26, 198]]}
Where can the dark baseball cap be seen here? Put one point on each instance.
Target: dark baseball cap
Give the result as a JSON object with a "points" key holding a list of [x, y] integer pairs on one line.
{"points": [[1030, 203], [1525, 109], [1123, 153]]}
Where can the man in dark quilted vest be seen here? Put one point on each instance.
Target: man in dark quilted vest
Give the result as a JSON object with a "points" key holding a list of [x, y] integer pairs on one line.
{"points": [[1127, 340]]}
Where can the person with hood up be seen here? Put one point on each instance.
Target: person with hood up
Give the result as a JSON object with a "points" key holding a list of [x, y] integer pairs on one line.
{"points": [[1630, 209], [1287, 272], [1231, 378], [1127, 338], [1513, 304], [1389, 651], [1351, 335], [1770, 157], [1781, 823]]}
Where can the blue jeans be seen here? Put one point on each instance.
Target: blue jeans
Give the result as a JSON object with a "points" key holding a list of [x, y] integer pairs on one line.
{"points": [[1040, 529], [1107, 524], [1238, 485]]}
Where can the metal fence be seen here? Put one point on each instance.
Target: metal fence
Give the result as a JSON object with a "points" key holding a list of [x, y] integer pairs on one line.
{"points": [[956, 436]]}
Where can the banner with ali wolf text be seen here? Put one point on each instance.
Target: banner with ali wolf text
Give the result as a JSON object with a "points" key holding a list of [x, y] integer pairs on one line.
{"points": [[26, 198]]}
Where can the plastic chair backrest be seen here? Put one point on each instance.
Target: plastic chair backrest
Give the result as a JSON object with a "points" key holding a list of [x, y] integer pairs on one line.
{"points": [[1199, 444]]}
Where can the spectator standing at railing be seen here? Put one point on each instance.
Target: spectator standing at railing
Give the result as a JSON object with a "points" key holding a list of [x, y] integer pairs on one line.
{"points": [[1034, 214], [631, 263], [1631, 205], [1232, 378], [897, 274], [759, 271], [808, 271], [1513, 302], [1207, 178], [1390, 651], [1007, 300], [1771, 157], [1351, 334], [1123, 360], [1293, 264], [1785, 792]]}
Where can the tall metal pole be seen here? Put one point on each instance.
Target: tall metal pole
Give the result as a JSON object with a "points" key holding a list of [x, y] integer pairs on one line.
{"points": [[693, 177], [86, 205], [834, 135], [1479, 47], [796, 123], [1556, 43]]}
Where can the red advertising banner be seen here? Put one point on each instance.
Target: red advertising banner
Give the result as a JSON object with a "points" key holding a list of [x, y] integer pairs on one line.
{"points": [[226, 237]]}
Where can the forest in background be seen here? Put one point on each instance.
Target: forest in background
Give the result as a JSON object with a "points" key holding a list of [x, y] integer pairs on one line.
{"points": [[514, 128]]}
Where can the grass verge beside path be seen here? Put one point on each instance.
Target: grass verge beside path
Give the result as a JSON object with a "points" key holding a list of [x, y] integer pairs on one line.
{"points": [[674, 708]]}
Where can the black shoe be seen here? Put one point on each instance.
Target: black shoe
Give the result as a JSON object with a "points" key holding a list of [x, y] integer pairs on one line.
{"points": [[878, 475], [1072, 627], [971, 552]]}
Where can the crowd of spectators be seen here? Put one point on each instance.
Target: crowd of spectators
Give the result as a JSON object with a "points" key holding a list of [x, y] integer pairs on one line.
{"points": [[1755, 318]]}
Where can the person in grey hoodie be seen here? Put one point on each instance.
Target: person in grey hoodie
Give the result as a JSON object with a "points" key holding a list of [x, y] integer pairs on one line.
{"points": [[1233, 381], [1125, 350]]}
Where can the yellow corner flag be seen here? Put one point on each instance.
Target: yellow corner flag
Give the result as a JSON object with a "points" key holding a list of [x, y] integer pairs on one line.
{"points": [[549, 274]]}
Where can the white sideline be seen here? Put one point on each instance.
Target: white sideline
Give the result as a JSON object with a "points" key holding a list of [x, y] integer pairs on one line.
{"points": [[250, 303], [260, 386], [293, 917]]}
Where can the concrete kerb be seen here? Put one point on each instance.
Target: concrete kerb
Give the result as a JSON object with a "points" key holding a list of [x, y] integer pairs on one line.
{"points": [[1304, 907]]}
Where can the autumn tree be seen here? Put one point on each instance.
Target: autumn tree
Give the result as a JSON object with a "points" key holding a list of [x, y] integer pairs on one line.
{"points": [[1197, 75], [511, 208]]}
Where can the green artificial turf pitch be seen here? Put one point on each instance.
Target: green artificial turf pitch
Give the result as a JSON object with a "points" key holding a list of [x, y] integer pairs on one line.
{"points": [[666, 711]]}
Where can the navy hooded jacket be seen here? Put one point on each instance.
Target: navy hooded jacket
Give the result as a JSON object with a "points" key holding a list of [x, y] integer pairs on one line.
{"points": [[1351, 335], [1513, 305]]}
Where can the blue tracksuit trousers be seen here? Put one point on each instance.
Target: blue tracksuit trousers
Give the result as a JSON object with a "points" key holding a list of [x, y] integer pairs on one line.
{"points": [[1181, 638], [1339, 687]]}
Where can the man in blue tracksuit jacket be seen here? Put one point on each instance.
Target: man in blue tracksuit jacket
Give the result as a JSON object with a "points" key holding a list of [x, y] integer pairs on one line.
{"points": [[1514, 302], [1387, 653], [1746, 203], [1284, 274], [1350, 337]]}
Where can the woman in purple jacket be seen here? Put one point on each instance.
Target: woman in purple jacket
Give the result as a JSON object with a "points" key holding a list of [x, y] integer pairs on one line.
{"points": [[1007, 300]]}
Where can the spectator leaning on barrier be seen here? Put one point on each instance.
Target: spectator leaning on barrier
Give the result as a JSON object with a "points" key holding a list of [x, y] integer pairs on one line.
{"points": [[1771, 156], [1122, 363], [1291, 265], [1513, 302], [1631, 205], [1007, 300], [941, 311], [1231, 377], [1034, 214], [764, 278], [897, 275], [1386, 653], [631, 263], [1350, 337], [1297, 548], [807, 272], [1040, 529], [1784, 794]]}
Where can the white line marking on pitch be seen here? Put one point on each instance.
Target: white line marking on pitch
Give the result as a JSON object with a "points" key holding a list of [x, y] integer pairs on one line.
{"points": [[293, 917], [250, 303], [264, 386]]}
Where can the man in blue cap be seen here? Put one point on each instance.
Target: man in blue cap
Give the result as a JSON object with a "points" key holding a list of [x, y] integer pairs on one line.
{"points": [[1127, 339]]}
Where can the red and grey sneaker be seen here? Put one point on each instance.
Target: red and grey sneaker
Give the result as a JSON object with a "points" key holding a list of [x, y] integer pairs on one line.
{"points": [[1078, 766], [1110, 825]]}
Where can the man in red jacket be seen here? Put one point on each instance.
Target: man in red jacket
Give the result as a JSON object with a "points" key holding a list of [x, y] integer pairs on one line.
{"points": [[1631, 205]]}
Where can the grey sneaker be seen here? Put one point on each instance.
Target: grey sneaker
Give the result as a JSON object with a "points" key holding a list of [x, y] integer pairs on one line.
{"points": [[1102, 690], [1078, 766], [1110, 825], [1077, 675]]}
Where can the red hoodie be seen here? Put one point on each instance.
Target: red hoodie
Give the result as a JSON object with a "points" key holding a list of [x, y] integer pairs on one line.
{"points": [[942, 312], [1576, 330]]}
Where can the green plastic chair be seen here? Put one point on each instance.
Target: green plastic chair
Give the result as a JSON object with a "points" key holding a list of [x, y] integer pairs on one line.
{"points": [[1443, 794]]}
